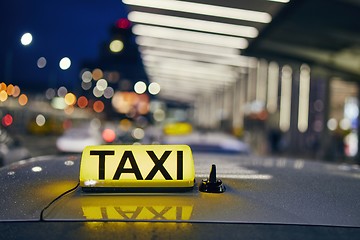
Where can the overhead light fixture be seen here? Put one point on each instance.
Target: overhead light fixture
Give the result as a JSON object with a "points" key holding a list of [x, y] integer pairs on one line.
{"points": [[189, 36], [187, 46], [180, 66], [204, 9], [194, 57], [193, 24]]}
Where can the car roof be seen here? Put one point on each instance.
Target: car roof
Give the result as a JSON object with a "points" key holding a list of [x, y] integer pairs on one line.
{"points": [[258, 190]]}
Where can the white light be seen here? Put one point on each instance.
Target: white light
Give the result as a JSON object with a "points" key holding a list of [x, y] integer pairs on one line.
{"points": [[65, 63], [140, 87], [188, 46], [285, 101], [40, 120], [26, 39], [304, 95], [189, 36], [138, 133], [273, 83], [69, 163], [193, 24], [97, 92], [332, 124], [101, 84], [204, 9], [41, 62], [90, 183], [345, 124], [36, 169], [86, 76], [154, 88], [195, 57]]}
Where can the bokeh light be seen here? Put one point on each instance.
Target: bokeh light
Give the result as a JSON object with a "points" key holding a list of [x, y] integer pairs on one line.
{"points": [[109, 135], [50, 93], [97, 74], [101, 84], [16, 91], [65, 63], [154, 88], [138, 133], [23, 99], [109, 92], [86, 76], [7, 120], [40, 120], [3, 96], [26, 39], [82, 102], [10, 90], [116, 46], [97, 93], [62, 91], [41, 62], [98, 106], [70, 99], [86, 85], [140, 87]]}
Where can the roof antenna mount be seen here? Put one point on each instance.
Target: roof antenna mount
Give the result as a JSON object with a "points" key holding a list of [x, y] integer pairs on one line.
{"points": [[212, 184]]}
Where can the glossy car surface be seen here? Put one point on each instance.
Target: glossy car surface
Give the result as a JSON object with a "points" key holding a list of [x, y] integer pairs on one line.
{"points": [[263, 196]]}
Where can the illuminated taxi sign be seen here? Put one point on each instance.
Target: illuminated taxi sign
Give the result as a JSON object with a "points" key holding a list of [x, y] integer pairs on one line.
{"points": [[137, 166]]}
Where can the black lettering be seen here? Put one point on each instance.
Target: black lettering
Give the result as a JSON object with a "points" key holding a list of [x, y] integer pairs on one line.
{"points": [[134, 214], [134, 167], [158, 165], [180, 170], [159, 215], [104, 213], [102, 155]]}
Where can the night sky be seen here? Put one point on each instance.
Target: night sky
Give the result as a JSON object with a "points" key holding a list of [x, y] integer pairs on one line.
{"points": [[66, 28]]}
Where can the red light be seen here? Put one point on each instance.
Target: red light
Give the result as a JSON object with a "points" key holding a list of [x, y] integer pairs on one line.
{"points": [[108, 135], [123, 23], [7, 120]]}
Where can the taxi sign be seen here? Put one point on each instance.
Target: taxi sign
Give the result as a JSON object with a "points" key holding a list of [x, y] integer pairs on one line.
{"points": [[136, 166]]}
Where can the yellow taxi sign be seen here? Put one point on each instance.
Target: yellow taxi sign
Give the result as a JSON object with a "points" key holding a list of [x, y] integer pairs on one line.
{"points": [[137, 166]]}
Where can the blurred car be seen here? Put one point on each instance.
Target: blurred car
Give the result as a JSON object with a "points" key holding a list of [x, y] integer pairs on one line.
{"points": [[76, 138], [209, 142], [10, 149], [270, 198]]}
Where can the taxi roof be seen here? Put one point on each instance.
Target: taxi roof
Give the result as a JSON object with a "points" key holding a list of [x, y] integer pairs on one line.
{"points": [[270, 190]]}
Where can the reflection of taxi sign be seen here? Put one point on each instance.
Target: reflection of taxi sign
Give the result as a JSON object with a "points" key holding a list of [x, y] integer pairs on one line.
{"points": [[137, 166]]}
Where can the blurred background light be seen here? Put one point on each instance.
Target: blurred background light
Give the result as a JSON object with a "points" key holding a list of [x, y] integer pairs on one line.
{"points": [[101, 84], [40, 120], [140, 87], [97, 74], [3, 96], [109, 92], [23, 99], [70, 99], [109, 135], [26, 39], [154, 88], [86, 76], [41, 62], [98, 106], [7, 120], [62, 91], [82, 102], [65, 63], [116, 46]]}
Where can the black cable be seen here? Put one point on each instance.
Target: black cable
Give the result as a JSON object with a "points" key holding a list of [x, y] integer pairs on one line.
{"points": [[53, 201]]}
